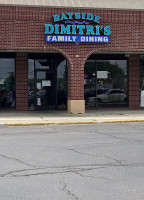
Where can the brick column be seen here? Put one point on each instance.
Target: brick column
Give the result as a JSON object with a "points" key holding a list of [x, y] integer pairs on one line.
{"points": [[134, 82], [76, 103], [21, 60]]}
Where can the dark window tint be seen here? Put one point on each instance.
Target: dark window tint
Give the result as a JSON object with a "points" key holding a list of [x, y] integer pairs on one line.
{"points": [[7, 82]]}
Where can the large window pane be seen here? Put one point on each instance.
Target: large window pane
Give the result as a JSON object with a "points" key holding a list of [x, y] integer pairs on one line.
{"points": [[62, 85], [7, 82], [105, 83], [89, 80]]}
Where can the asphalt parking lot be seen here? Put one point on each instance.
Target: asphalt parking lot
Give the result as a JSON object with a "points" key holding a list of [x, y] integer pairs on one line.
{"points": [[101, 161]]}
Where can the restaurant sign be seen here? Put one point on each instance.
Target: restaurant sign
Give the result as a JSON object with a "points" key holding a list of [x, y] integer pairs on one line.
{"points": [[77, 27]]}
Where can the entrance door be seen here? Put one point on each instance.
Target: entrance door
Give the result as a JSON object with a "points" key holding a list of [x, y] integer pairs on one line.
{"points": [[45, 94], [47, 81]]}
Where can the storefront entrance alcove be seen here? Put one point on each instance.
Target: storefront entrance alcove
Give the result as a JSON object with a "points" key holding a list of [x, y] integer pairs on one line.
{"points": [[105, 81], [47, 81]]}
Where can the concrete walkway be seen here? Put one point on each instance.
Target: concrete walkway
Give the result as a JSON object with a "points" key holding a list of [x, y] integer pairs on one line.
{"points": [[15, 118]]}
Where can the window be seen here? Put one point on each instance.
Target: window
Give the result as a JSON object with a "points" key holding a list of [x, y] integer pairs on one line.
{"points": [[7, 83], [105, 76]]}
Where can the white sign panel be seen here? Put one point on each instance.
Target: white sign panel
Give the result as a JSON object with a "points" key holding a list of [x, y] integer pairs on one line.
{"points": [[102, 74], [39, 86], [46, 83], [1, 81]]}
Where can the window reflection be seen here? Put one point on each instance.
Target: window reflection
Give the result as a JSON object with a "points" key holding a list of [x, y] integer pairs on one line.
{"points": [[62, 85], [7, 83], [43, 63], [31, 84], [105, 83]]}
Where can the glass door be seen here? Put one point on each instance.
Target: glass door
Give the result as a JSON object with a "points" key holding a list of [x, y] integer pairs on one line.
{"points": [[44, 90], [47, 82]]}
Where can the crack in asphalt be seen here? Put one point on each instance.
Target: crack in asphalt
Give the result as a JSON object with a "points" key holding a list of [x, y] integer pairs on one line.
{"points": [[64, 169], [121, 138], [86, 154], [69, 169], [95, 155], [95, 177], [11, 172], [76, 151], [68, 191], [17, 160]]}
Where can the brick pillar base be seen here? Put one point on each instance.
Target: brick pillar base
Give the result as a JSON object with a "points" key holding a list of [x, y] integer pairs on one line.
{"points": [[21, 60], [76, 106], [134, 82]]}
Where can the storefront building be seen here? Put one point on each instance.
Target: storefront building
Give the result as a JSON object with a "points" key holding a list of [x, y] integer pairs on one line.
{"points": [[72, 56]]}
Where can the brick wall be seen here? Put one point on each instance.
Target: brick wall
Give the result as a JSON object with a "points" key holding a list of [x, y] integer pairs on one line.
{"points": [[134, 81], [22, 29], [21, 63]]}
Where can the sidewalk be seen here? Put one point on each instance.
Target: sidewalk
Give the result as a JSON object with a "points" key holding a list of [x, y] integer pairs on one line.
{"points": [[16, 118]]}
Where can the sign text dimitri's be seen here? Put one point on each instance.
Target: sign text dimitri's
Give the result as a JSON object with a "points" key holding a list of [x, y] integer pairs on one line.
{"points": [[78, 25]]}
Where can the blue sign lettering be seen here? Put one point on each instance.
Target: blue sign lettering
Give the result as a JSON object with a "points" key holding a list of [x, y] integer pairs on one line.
{"points": [[77, 27], [70, 16], [70, 38]]}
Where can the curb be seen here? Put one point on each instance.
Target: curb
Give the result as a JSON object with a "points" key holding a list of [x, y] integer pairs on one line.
{"points": [[72, 123], [48, 123], [123, 121]]}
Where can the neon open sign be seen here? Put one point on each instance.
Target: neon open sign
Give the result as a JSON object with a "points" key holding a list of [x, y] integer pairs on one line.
{"points": [[77, 28]]}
